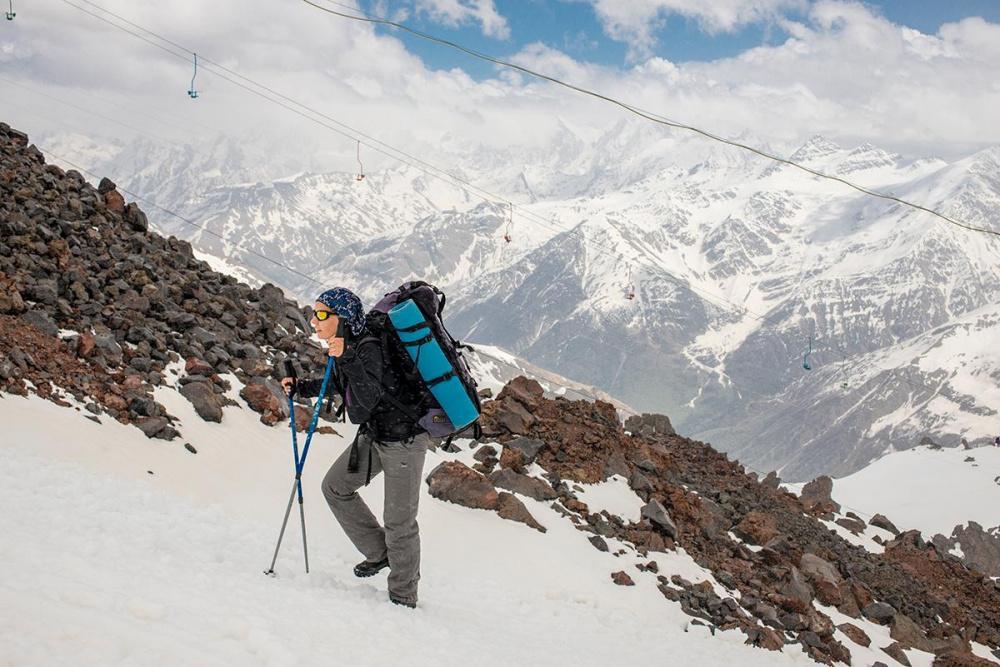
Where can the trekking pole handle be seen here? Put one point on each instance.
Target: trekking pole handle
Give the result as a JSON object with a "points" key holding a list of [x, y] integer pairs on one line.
{"points": [[288, 371]]}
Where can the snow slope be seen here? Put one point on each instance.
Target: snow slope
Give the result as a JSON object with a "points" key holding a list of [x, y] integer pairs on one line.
{"points": [[931, 490], [107, 563]]}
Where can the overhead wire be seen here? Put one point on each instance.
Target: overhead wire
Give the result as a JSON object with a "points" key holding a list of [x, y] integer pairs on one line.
{"points": [[367, 18], [354, 134], [182, 218], [487, 196], [86, 110]]}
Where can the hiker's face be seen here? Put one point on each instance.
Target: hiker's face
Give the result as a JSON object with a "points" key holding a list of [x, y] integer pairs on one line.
{"points": [[327, 328]]}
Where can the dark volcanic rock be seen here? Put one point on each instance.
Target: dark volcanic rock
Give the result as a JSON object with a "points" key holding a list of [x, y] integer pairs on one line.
{"points": [[528, 447], [204, 399], [524, 485], [658, 515], [75, 257]]}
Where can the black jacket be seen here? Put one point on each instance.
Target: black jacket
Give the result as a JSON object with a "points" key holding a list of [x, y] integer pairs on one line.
{"points": [[360, 380]]}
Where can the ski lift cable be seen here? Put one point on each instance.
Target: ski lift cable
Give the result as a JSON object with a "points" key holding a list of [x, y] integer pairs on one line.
{"points": [[144, 133], [717, 299], [367, 18], [375, 144], [489, 197], [89, 111], [134, 110], [351, 132], [183, 218], [238, 246]]}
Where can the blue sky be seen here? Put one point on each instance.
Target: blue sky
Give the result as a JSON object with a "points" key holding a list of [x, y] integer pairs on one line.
{"points": [[573, 27]]}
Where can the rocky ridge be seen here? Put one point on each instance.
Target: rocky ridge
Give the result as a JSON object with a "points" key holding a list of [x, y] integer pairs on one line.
{"points": [[94, 307], [783, 570]]}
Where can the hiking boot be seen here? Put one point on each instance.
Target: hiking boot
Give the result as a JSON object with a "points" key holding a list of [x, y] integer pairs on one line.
{"points": [[370, 568], [403, 603]]}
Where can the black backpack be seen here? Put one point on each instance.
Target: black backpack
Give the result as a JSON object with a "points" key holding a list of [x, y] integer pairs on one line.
{"points": [[409, 401], [406, 392]]}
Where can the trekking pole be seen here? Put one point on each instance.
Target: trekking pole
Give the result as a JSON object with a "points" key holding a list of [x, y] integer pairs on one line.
{"points": [[300, 463]]}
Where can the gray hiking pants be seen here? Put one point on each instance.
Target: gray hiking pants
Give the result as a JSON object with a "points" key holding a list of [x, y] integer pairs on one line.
{"points": [[403, 465]]}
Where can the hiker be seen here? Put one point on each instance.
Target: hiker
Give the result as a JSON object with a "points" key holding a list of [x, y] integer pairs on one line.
{"points": [[996, 441], [388, 441]]}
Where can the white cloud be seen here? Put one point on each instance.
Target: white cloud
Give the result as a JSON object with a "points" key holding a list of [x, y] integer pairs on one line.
{"points": [[458, 12], [846, 73], [637, 22]]}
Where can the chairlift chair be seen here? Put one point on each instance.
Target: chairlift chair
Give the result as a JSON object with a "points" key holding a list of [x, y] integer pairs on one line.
{"points": [[192, 93], [361, 167], [510, 222]]}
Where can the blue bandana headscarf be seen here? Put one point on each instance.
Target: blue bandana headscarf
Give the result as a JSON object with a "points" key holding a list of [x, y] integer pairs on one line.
{"points": [[347, 306]]}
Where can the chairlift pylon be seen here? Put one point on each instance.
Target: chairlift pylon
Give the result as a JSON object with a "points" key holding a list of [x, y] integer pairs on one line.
{"points": [[10, 13], [805, 358], [629, 286], [510, 222]]}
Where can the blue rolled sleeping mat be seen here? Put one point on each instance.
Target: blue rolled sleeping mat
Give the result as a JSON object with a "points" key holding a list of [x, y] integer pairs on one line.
{"points": [[438, 373]]}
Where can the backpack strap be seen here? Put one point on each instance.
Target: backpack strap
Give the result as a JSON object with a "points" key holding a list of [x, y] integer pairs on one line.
{"points": [[396, 403]]}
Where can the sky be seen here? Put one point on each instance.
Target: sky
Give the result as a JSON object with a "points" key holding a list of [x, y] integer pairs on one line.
{"points": [[916, 76], [602, 33]]}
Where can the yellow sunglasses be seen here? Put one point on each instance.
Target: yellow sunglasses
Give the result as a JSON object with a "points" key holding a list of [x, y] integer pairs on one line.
{"points": [[323, 315]]}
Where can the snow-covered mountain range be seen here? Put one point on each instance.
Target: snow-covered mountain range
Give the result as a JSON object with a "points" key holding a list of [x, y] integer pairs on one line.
{"points": [[739, 265]]}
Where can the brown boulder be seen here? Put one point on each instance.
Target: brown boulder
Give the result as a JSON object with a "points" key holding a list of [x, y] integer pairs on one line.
{"points": [[861, 595], [302, 420], [622, 579], [649, 424], [512, 509], [856, 634], [818, 569], [512, 459], [114, 201], [757, 528], [457, 483], [525, 391], [895, 651], [85, 345], [765, 638], [909, 634], [264, 400], [828, 593], [196, 366], [881, 521], [514, 417], [10, 298], [856, 526], [816, 497], [485, 452]]}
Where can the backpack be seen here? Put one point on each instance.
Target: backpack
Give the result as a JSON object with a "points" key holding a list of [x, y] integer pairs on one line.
{"points": [[406, 391]]}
